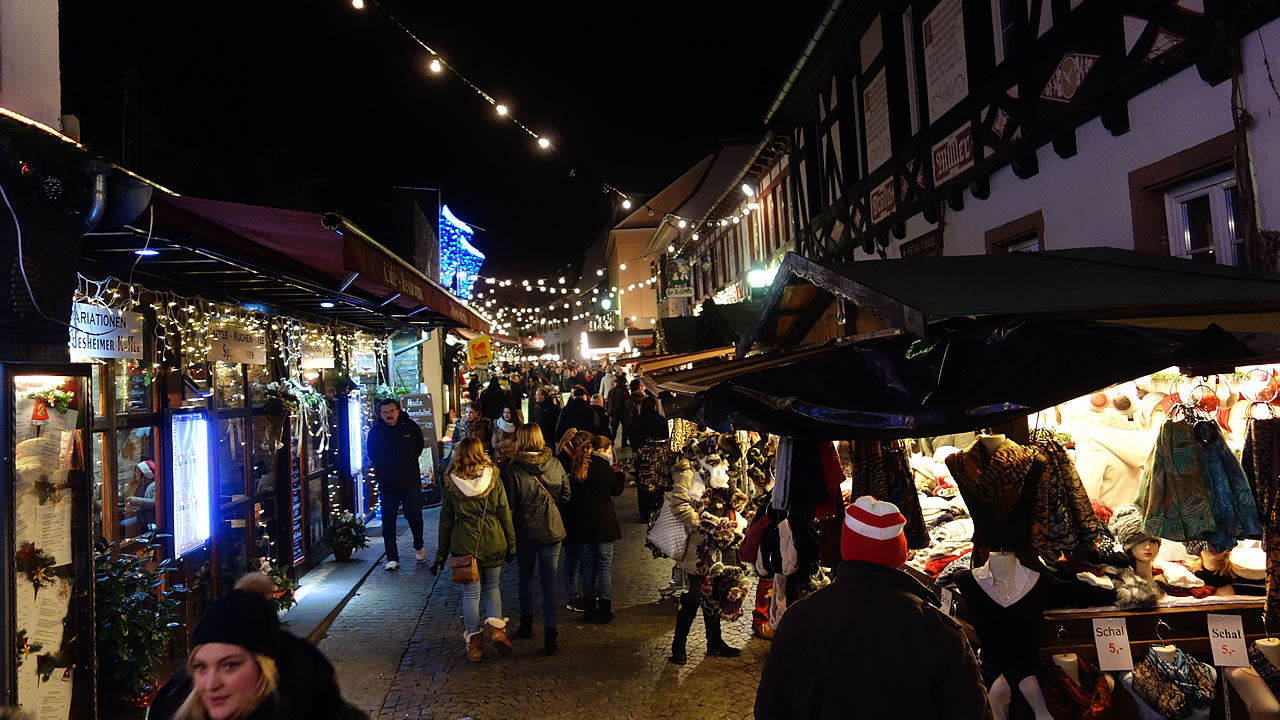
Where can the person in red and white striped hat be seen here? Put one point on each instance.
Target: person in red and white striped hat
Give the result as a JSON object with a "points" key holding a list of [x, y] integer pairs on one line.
{"points": [[872, 644]]}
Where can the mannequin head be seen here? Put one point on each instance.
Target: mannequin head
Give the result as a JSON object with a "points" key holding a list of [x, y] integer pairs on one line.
{"points": [[1145, 551], [1214, 561]]}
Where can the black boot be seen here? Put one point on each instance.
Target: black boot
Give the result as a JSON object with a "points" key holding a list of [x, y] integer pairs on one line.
{"points": [[604, 613], [716, 646], [589, 609], [525, 631], [550, 636], [684, 621]]}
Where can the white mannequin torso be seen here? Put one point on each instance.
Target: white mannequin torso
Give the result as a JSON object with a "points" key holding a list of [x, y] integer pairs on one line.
{"points": [[1069, 663], [1258, 698], [1004, 579]]}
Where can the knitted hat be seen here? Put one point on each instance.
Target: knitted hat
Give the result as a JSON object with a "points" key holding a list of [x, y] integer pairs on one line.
{"points": [[246, 616], [1126, 525], [873, 533]]}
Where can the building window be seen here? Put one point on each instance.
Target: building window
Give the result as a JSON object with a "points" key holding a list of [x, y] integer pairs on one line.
{"points": [[1005, 15], [1026, 234], [1204, 219]]}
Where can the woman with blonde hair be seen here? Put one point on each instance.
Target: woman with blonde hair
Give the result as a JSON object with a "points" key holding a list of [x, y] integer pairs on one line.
{"points": [[536, 486], [590, 521], [475, 520], [564, 449], [242, 665]]}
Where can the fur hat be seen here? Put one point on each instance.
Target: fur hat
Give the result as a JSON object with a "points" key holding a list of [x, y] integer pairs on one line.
{"points": [[245, 616], [1126, 526], [872, 532]]}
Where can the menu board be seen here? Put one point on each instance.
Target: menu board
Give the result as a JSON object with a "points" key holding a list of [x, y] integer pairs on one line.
{"points": [[189, 471], [419, 409], [295, 503]]}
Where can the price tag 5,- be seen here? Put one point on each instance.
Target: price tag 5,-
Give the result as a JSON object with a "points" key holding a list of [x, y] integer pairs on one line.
{"points": [[948, 601], [1111, 637], [1226, 638]]}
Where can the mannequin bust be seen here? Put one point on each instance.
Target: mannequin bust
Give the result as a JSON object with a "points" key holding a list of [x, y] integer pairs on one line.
{"points": [[1006, 618], [1258, 698], [991, 442], [1144, 554], [1069, 663]]}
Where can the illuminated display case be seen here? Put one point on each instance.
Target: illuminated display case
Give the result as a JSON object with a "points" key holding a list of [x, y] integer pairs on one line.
{"points": [[47, 661]]}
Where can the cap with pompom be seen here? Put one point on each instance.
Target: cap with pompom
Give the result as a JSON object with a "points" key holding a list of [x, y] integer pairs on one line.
{"points": [[245, 616]]}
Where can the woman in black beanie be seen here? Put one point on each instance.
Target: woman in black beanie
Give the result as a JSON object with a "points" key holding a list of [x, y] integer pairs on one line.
{"points": [[242, 665]]}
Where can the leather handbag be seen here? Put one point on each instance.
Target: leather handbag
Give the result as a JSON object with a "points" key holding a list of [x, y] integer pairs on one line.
{"points": [[464, 568]]}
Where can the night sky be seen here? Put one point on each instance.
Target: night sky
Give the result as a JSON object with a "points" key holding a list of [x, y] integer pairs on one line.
{"points": [[318, 106]]}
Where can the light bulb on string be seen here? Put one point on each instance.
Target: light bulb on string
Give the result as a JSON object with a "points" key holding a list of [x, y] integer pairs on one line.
{"points": [[544, 143], [623, 266], [502, 109], [682, 223], [435, 64], [695, 237], [626, 203], [357, 4], [600, 273], [671, 248]]}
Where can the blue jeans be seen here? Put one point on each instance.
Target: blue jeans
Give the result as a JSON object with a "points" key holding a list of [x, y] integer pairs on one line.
{"points": [[547, 558], [392, 500], [485, 591], [570, 563], [597, 570]]}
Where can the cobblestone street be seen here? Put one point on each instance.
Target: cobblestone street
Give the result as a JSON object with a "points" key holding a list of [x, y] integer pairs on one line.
{"points": [[398, 649]]}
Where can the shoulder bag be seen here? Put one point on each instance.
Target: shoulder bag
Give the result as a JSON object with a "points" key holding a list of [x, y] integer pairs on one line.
{"points": [[464, 568]]}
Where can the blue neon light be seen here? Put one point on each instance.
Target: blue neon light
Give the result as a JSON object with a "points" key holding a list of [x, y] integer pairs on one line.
{"points": [[460, 261]]}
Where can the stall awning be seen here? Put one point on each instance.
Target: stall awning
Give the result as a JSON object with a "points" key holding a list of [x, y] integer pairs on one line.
{"points": [[968, 375], [1087, 283], [652, 364], [286, 258]]}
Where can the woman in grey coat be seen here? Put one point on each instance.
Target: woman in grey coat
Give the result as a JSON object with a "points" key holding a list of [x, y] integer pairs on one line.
{"points": [[536, 485]]}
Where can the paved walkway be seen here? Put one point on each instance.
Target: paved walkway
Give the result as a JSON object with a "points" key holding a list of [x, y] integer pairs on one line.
{"points": [[398, 650]]}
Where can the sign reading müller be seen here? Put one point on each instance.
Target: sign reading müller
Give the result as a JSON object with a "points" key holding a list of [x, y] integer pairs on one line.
{"points": [[99, 332], [953, 155]]}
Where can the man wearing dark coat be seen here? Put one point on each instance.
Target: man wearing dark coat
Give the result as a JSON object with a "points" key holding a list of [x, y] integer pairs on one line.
{"points": [[577, 413], [395, 442]]}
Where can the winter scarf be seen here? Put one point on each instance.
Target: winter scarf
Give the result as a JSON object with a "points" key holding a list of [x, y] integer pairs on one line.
{"points": [[999, 490], [1193, 490], [879, 468], [1269, 673], [1262, 466], [1090, 700], [1174, 689], [1062, 519]]}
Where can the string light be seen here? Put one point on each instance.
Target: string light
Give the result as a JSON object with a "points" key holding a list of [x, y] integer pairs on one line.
{"points": [[626, 204], [435, 63], [544, 143], [357, 4]]}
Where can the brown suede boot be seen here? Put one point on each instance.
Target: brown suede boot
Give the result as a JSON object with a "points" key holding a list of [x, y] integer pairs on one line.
{"points": [[498, 634], [475, 646]]}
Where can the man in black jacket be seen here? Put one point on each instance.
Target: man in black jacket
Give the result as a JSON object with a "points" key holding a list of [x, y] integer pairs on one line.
{"points": [[577, 413], [394, 446], [873, 644]]}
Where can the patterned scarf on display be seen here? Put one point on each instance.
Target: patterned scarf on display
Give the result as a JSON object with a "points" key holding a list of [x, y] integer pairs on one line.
{"points": [[1063, 520], [879, 468], [1174, 689], [1172, 495], [1090, 700], [1262, 465], [1269, 673]]}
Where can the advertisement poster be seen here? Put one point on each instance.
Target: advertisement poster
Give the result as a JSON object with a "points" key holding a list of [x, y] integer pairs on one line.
{"points": [[679, 278], [945, 62], [480, 351], [875, 114], [190, 473]]}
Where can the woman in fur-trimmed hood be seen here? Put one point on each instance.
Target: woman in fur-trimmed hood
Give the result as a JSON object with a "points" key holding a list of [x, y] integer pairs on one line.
{"points": [[709, 507], [537, 486], [476, 520]]}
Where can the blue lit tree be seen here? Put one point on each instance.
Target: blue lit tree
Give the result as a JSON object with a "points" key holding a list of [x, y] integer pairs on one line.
{"points": [[460, 261]]}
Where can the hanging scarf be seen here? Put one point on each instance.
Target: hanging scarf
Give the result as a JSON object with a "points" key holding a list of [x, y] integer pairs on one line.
{"points": [[1269, 673], [1262, 466], [1174, 689], [879, 468], [782, 476], [999, 488], [1090, 700], [1062, 519]]}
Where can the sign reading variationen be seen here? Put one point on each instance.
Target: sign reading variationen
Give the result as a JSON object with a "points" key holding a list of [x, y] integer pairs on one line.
{"points": [[234, 345], [98, 332], [953, 155]]}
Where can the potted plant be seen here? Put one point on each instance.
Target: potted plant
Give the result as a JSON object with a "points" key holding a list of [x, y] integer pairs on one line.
{"points": [[285, 587], [136, 616], [345, 532]]}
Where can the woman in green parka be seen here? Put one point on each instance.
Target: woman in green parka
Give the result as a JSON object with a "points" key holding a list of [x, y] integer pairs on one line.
{"points": [[476, 520]]}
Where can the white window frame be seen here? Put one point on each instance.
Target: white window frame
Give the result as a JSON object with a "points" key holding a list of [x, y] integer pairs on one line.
{"points": [[1216, 188]]}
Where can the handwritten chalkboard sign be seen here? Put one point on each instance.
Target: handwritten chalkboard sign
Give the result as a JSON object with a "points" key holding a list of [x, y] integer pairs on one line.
{"points": [[418, 407], [295, 503]]}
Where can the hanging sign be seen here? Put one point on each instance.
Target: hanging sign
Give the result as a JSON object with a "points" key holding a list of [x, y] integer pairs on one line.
{"points": [[98, 332], [882, 201], [679, 278], [480, 351], [233, 345], [1111, 637], [1226, 639], [364, 362], [953, 155], [316, 355], [948, 601]]}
